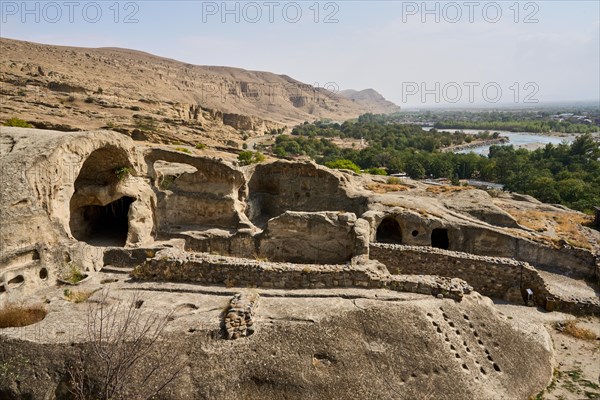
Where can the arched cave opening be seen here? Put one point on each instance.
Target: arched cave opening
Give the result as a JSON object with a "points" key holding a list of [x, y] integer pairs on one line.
{"points": [[105, 225], [102, 166], [389, 232], [439, 238], [98, 182]]}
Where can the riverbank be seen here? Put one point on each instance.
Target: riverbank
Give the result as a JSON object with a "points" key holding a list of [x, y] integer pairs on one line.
{"points": [[477, 144]]}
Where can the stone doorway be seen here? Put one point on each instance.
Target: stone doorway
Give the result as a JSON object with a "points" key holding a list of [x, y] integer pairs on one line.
{"points": [[439, 238], [105, 225], [389, 232]]}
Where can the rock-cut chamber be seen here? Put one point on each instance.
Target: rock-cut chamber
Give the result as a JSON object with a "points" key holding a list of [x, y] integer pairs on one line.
{"points": [[99, 211]]}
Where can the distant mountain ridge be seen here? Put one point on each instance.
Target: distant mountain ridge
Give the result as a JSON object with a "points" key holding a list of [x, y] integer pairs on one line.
{"points": [[82, 88], [370, 99]]}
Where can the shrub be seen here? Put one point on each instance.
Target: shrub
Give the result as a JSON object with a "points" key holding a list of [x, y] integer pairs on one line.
{"points": [[126, 357], [343, 164], [13, 316], [73, 274], [392, 180], [250, 157], [183, 150], [377, 171], [200, 146], [167, 181], [122, 173], [18, 123], [78, 296]]}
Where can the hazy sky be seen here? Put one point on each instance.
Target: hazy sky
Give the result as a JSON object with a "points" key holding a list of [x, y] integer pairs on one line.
{"points": [[414, 53]]}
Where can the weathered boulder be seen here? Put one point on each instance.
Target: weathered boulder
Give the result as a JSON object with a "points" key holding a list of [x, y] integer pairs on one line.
{"points": [[317, 238], [299, 186]]}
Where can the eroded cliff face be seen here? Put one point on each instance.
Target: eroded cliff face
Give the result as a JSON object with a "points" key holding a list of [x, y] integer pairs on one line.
{"points": [[159, 100], [290, 186]]}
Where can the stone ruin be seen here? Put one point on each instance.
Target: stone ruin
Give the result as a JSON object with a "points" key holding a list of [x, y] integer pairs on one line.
{"points": [[100, 202], [77, 197]]}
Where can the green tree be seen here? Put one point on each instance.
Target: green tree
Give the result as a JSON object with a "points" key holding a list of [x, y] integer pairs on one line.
{"points": [[415, 169], [343, 164], [250, 157]]}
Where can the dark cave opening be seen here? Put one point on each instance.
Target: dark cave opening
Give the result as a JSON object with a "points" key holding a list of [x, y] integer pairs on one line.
{"points": [[439, 238], [107, 225], [389, 232]]}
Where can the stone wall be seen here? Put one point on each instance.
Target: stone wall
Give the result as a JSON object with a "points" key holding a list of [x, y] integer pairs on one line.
{"points": [[416, 230], [577, 263], [496, 277], [176, 266]]}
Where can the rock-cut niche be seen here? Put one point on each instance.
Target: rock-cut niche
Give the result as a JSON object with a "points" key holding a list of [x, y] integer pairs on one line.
{"points": [[99, 212], [389, 231], [439, 238]]}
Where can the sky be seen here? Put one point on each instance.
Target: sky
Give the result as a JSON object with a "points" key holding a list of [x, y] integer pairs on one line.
{"points": [[416, 54]]}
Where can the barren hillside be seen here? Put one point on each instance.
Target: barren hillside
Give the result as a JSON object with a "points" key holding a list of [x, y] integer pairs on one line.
{"points": [[159, 99]]}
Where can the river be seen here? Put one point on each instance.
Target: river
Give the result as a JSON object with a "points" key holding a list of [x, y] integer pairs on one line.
{"points": [[527, 140]]}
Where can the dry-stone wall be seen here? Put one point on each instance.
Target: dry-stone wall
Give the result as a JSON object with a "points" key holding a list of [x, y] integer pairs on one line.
{"points": [[237, 319], [176, 266], [496, 277]]}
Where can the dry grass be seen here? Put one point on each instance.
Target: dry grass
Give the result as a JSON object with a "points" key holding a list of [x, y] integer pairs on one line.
{"points": [[570, 327], [13, 316], [566, 225], [386, 187], [78, 296], [447, 189]]}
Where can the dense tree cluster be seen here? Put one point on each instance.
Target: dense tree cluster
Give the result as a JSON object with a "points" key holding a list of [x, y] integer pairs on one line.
{"points": [[566, 120], [566, 174], [387, 135], [536, 126]]}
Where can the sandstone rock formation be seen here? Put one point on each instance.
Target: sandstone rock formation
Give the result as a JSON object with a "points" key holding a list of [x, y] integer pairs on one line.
{"points": [[362, 293]]}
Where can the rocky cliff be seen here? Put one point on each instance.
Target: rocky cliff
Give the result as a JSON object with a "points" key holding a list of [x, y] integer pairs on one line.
{"points": [[159, 99]]}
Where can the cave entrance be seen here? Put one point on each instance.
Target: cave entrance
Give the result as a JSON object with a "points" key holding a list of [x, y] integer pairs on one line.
{"points": [[439, 238], [97, 183], [389, 232], [106, 225]]}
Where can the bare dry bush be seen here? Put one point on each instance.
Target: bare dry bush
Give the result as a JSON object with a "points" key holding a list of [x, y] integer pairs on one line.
{"points": [[125, 357], [571, 328]]}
